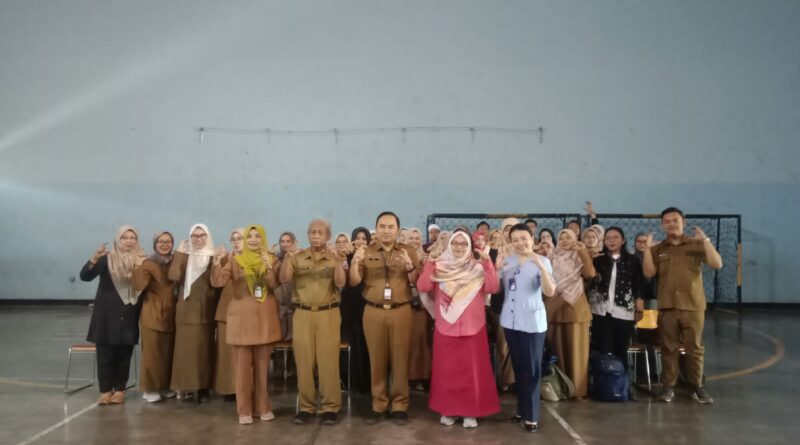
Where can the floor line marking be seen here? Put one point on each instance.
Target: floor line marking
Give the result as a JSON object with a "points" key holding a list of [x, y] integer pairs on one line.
{"points": [[58, 425], [10, 381], [578, 439], [780, 351]]}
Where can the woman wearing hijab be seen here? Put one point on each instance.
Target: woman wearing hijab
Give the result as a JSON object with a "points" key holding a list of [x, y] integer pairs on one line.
{"points": [[193, 361], [157, 319], [352, 311], [224, 377], [454, 288], [419, 361], [593, 240], [568, 312], [546, 235], [252, 320], [526, 277], [616, 296], [114, 328], [286, 242]]}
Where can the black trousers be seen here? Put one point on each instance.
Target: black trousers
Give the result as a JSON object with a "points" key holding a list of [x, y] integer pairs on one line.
{"points": [[611, 335], [525, 350], [113, 366]]}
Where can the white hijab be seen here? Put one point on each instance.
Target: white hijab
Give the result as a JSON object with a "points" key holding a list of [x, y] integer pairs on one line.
{"points": [[198, 259]]}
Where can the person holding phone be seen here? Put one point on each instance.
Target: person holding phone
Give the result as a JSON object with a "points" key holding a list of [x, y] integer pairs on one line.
{"points": [[526, 277], [114, 327], [252, 319]]}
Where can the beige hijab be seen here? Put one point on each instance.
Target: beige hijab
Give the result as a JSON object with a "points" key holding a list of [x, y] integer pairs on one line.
{"points": [[460, 279], [198, 260], [567, 267], [120, 266]]}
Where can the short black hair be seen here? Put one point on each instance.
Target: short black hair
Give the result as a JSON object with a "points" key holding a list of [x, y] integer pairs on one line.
{"points": [[531, 220], [520, 226], [573, 221], [397, 218], [672, 210], [552, 235], [482, 223]]}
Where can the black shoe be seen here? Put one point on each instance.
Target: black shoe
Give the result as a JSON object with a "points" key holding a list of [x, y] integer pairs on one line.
{"points": [[330, 418], [667, 395], [702, 396], [532, 427], [373, 417], [229, 397], [203, 395], [400, 417], [302, 418], [190, 397], [516, 419]]}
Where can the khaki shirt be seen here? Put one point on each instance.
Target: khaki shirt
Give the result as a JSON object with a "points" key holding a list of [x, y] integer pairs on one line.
{"points": [[373, 272], [312, 281], [679, 270]]}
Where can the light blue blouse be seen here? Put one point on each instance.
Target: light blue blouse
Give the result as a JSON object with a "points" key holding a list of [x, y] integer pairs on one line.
{"points": [[523, 308]]}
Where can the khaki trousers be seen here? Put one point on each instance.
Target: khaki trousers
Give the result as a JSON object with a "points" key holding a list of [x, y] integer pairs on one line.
{"points": [[315, 342], [388, 336], [570, 343], [676, 328], [250, 366]]}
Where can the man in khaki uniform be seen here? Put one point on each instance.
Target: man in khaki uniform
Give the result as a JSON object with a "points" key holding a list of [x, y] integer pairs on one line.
{"points": [[317, 275], [677, 261], [386, 268]]}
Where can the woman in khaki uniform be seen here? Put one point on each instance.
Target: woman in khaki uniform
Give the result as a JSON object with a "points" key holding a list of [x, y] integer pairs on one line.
{"points": [[252, 320], [568, 311], [224, 379], [419, 362], [157, 319], [193, 360]]}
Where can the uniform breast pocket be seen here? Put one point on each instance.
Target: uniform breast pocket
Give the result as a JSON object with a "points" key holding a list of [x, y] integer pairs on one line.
{"points": [[302, 271], [373, 263]]}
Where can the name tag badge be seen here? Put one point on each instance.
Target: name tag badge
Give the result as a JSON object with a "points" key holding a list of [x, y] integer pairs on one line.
{"points": [[257, 292], [387, 293], [512, 284]]}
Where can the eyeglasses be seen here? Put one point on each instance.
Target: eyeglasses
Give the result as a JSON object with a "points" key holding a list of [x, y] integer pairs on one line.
{"points": [[164, 242], [201, 236], [128, 238], [461, 245]]}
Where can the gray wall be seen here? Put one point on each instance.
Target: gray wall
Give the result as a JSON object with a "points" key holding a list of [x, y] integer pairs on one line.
{"points": [[644, 103]]}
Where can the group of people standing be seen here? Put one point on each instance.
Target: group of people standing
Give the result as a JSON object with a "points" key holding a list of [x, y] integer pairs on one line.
{"points": [[209, 318]]}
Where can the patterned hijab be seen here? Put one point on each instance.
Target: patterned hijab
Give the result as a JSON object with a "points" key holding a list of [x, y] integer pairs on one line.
{"points": [[567, 267], [120, 266], [198, 259], [460, 279]]}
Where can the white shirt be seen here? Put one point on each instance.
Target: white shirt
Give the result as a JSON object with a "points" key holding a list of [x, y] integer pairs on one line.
{"points": [[608, 306]]}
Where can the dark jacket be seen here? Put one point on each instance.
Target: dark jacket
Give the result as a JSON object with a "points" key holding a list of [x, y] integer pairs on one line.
{"points": [[113, 322], [629, 283]]}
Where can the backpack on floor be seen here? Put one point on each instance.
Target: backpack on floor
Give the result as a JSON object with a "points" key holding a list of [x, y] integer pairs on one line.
{"points": [[555, 384], [609, 381]]}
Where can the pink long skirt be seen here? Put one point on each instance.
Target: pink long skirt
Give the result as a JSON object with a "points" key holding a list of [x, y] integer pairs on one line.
{"points": [[462, 382]]}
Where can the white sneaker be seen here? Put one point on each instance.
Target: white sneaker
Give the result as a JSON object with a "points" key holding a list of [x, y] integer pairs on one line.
{"points": [[447, 421], [245, 420], [268, 416], [470, 422], [151, 397], [169, 394]]}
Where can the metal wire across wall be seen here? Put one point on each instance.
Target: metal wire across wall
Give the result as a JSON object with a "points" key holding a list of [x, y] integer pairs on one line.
{"points": [[721, 286]]}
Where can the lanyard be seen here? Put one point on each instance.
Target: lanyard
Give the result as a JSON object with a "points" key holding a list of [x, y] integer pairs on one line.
{"points": [[386, 265]]}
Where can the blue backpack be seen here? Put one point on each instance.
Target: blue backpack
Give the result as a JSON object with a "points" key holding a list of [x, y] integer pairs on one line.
{"points": [[609, 381]]}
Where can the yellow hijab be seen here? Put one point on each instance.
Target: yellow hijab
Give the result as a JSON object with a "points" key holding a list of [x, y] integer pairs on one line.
{"points": [[251, 261]]}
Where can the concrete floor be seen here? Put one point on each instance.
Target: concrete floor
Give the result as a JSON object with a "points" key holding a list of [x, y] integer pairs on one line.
{"points": [[752, 406]]}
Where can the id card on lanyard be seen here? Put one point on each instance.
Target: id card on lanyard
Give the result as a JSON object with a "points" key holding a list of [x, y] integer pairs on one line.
{"points": [[387, 290]]}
